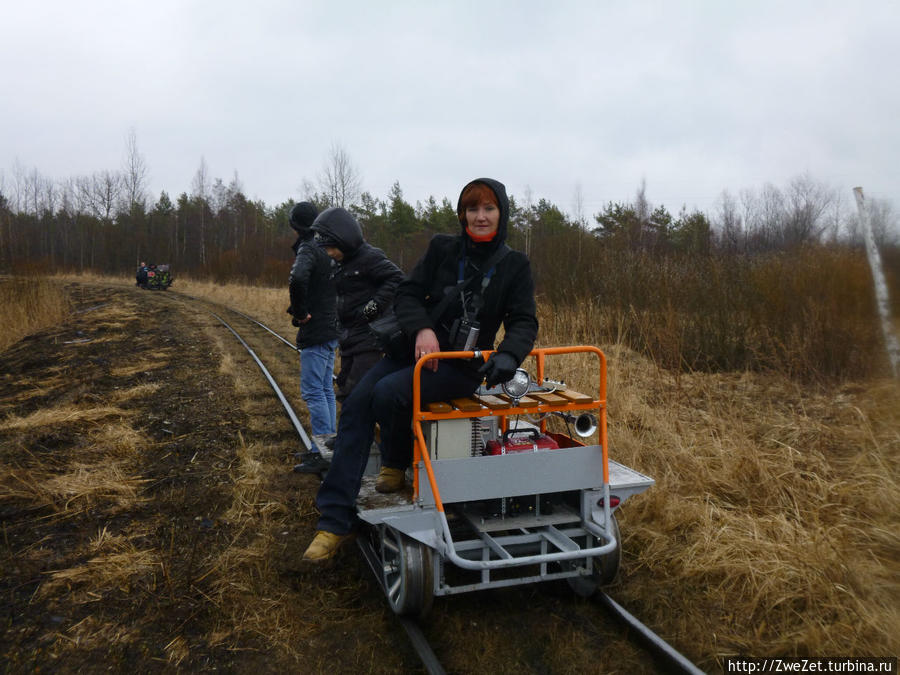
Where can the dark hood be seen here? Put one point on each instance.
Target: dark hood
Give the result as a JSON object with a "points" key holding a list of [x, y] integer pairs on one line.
{"points": [[302, 216], [338, 225], [499, 189]]}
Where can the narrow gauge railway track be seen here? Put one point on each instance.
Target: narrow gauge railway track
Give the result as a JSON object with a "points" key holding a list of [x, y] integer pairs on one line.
{"points": [[664, 655]]}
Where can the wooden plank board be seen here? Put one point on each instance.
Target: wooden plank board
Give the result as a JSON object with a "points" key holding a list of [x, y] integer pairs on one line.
{"points": [[466, 404], [524, 402], [550, 399], [492, 402], [574, 396], [439, 407]]}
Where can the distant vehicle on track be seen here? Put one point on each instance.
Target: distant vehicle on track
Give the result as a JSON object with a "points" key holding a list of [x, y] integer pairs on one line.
{"points": [[154, 277]]}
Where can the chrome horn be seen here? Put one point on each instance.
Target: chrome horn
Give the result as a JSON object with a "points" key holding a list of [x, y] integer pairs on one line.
{"points": [[585, 423]]}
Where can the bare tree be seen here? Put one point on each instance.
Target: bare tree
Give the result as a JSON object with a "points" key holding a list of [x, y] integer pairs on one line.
{"points": [[134, 174], [529, 218], [806, 202], [578, 206], [728, 222], [340, 180], [200, 190], [307, 190], [19, 180], [107, 188]]}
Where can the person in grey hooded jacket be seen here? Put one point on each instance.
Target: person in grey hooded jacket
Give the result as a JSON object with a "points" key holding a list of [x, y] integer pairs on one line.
{"points": [[365, 280]]}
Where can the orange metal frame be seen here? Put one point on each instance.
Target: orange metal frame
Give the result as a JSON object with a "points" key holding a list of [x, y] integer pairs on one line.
{"points": [[419, 415]]}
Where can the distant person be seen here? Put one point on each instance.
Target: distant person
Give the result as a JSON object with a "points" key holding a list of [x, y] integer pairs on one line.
{"points": [[458, 294], [314, 312], [141, 276], [365, 280]]}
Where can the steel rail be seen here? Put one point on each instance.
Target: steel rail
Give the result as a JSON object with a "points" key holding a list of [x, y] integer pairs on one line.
{"points": [[292, 416], [265, 327], [249, 318], [675, 661], [280, 394]]}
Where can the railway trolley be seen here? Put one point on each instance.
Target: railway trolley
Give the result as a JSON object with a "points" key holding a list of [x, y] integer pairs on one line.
{"points": [[497, 498]]}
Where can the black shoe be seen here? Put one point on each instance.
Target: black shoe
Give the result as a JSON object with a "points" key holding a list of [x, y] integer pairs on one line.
{"points": [[313, 462]]}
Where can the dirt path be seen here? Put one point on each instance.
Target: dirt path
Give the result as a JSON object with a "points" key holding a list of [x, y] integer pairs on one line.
{"points": [[150, 522]]}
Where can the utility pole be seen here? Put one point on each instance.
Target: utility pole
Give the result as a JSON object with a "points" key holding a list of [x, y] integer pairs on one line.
{"points": [[881, 290]]}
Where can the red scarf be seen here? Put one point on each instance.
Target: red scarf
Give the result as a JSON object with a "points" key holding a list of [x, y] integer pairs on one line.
{"points": [[480, 239]]}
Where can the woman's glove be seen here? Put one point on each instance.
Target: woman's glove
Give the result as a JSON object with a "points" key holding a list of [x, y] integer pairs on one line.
{"points": [[500, 367]]}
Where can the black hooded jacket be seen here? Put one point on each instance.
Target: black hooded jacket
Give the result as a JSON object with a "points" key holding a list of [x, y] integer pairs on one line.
{"points": [[312, 292], [508, 299], [364, 274]]}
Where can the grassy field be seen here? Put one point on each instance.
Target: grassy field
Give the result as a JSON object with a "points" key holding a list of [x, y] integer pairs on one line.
{"points": [[27, 305], [773, 527]]}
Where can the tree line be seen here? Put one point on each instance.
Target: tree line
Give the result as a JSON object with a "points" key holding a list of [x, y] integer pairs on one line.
{"points": [[709, 274]]}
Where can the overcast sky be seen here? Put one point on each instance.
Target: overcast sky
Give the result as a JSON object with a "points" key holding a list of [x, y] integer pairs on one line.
{"points": [[691, 97]]}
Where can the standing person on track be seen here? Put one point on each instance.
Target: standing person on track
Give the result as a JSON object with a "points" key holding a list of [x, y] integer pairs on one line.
{"points": [[471, 280], [365, 280], [141, 275], [314, 311]]}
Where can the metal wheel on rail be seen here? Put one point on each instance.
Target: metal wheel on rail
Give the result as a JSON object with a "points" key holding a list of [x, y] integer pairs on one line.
{"points": [[408, 573], [603, 568]]}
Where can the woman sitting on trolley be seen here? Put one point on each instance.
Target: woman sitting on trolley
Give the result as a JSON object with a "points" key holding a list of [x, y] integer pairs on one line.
{"points": [[455, 299]]}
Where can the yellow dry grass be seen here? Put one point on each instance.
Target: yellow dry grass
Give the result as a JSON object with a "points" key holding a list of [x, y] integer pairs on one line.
{"points": [[104, 572], [237, 572], [139, 392], [92, 633], [772, 528], [267, 305], [60, 416], [160, 361], [28, 305]]}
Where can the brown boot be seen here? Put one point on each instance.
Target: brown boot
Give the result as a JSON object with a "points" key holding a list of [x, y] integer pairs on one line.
{"points": [[325, 546], [390, 480]]}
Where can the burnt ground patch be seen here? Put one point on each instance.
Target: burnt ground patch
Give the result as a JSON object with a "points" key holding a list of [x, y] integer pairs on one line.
{"points": [[111, 502]]}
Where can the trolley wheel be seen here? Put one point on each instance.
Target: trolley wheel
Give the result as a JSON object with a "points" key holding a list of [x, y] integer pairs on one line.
{"points": [[604, 568], [407, 572]]}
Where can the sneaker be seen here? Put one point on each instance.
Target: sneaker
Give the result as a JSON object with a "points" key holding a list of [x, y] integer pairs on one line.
{"points": [[325, 444], [324, 546], [390, 480], [312, 462], [324, 440]]}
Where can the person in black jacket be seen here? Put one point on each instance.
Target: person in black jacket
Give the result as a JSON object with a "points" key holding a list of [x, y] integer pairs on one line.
{"points": [[314, 311], [365, 280], [464, 281], [141, 275]]}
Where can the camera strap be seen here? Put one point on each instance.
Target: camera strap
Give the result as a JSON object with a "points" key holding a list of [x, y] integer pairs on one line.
{"points": [[490, 264]]}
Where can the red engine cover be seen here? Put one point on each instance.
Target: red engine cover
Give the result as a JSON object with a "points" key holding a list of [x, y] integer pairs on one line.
{"points": [[524, 442]]}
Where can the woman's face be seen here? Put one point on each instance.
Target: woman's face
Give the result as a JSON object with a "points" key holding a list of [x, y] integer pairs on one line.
{"points": [[483, 219]]}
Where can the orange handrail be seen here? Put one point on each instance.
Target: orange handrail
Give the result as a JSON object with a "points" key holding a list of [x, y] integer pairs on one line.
{"points": [[420, 447]]}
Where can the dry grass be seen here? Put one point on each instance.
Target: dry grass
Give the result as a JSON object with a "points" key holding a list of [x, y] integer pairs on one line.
{"points": [[772, 528], [139, 392], [59, 416], [29, 304], [267, 305]]}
